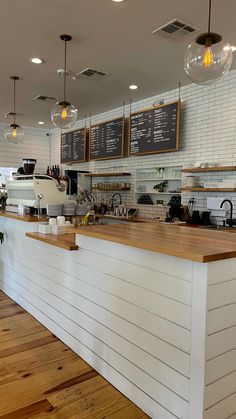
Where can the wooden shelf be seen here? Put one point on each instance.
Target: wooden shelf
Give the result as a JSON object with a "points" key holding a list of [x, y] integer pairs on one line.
{"points": [[209, 169], [110, 189], [157, 193], [157, 180], [116, 174], [208, 189]]}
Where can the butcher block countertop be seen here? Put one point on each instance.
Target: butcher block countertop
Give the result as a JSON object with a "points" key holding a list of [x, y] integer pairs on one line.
{"points": [[188, 243], [64, 241], [26, 218]]}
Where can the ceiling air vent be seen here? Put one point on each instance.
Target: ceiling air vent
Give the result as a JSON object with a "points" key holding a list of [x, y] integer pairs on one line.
{"points": [[90, 73], [44, 98], [10, 114], [176, 29]]}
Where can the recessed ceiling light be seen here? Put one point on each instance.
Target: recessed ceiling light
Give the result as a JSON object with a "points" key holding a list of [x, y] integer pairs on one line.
{"points": [[117, 1], [41, 123], [36, 60], [133, 87], [230, 47]]}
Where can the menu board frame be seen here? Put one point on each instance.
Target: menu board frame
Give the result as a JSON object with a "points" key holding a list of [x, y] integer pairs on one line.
{"points": [[85, 137], [122, 118], [178, 102]]}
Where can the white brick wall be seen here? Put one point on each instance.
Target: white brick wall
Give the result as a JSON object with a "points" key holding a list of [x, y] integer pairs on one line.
{"points": [[35, 145], [207, 133]]}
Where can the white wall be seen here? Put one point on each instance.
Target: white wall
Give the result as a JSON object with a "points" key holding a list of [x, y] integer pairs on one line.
{"points": [[35, 145], [208, 133]]}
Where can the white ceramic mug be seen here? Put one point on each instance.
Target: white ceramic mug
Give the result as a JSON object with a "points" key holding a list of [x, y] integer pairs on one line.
{"points": [[52, 221], [61, 219]]}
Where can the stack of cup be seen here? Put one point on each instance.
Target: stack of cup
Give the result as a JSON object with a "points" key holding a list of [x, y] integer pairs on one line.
{"points": [[68, 208], [54, 209]]}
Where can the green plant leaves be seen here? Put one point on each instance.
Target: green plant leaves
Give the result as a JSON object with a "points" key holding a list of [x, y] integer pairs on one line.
{"points": [[1, 237]]}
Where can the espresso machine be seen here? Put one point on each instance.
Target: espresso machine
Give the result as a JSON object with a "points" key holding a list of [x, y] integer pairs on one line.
{"points": [[32, 190]]}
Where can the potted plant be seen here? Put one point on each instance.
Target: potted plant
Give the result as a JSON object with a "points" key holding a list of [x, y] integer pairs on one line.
{"points": [[160, 187], [3, 200]]}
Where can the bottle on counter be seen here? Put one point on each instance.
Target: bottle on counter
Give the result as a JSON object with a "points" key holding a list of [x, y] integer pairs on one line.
{"points": [[53, 170]]}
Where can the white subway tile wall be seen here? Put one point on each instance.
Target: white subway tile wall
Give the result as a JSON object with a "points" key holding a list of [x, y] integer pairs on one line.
{"points": [[207, 134], [35, 145]]}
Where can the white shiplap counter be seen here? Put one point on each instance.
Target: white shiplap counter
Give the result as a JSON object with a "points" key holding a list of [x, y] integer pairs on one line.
{"points": [[161, 329]]}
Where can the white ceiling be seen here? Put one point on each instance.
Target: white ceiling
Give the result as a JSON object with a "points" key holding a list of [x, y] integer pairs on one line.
{"points": [[111, 37]]}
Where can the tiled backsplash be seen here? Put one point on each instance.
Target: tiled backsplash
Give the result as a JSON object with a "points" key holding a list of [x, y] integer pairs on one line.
{"points": [[35, 146], [207, 134]]}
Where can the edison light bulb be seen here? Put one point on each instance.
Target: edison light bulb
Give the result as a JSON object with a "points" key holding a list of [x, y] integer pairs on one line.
{"points": [[208, 57], [206, 61], [14, 133], [64, 113]]}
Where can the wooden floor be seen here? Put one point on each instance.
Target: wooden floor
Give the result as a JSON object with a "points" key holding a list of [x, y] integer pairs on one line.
{"points": [[40, 377]]}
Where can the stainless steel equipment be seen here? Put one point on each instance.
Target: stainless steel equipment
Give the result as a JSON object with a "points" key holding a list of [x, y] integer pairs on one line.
{"points": [[72, 177], [84, 188], [26, 190]]}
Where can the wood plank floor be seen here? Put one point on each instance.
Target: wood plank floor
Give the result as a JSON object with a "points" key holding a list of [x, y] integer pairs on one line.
{"points": [[40, 377]]}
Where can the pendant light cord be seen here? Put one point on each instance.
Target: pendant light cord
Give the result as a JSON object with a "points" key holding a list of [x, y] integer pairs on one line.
{"points": [[209, 17], [65, 70], [14, 101]]}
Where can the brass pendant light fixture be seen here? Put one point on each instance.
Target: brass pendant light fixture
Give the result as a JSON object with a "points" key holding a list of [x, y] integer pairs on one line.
{"points": [[63, 114], [14, 133], [207, 58]]}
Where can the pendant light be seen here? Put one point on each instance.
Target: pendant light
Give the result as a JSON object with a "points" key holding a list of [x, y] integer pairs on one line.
{"points": [[207, 58], [14, 133], [63, 114]]}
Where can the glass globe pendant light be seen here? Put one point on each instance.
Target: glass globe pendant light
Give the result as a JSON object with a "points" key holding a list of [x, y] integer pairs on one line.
{"points": [[63, 114], [14, 133], [207, 58]]}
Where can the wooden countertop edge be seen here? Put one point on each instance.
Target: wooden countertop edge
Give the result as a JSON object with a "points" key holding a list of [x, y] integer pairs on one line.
{"points": [[145, 246], [212, 256], [54, 241], [130, 219], [25, 218]]}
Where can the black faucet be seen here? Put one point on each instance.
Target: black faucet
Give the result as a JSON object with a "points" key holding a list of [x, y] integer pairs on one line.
{"points": [[230, 221]]}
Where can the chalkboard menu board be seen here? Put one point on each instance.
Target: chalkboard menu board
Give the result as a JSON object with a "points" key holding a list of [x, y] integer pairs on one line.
{"points": [[106, 140], [73, 146], [155, 130]]}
